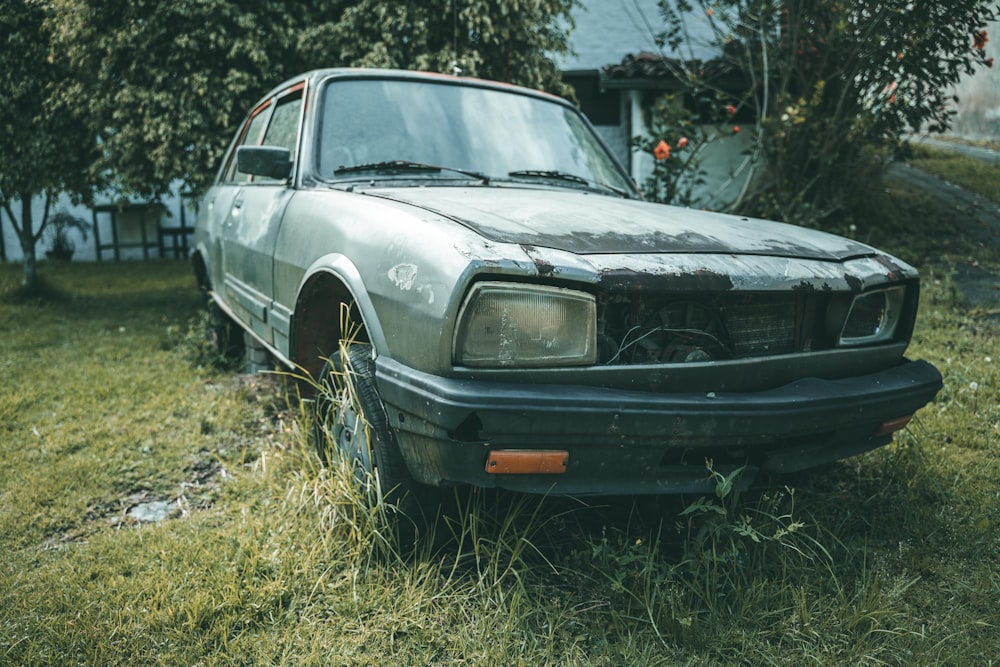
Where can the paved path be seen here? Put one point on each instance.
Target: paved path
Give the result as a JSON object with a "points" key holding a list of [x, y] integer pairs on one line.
{"points": [[979, 287], [979, 152]]}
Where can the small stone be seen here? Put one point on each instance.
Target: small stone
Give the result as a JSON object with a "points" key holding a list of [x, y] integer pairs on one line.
{"points": [[153, 511]]}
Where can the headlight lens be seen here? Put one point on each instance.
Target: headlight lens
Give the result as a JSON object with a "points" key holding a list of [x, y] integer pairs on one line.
{"points": [[517, 325], [872, 317]]}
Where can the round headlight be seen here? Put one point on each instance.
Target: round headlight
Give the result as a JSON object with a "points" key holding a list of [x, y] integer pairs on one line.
{"points": [[517, 325]]}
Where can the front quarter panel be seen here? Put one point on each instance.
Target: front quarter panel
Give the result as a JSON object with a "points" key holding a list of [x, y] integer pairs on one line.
{"points": [[407, 268]]}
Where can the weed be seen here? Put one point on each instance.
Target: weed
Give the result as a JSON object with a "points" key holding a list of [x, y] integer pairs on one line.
{"points": [[208, 340]]}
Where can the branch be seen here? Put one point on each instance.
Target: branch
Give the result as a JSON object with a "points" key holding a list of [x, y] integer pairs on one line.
{"points": [[10, 214], [45, 216]]}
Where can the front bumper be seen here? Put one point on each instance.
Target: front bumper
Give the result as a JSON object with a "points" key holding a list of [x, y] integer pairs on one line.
{"points": [[635, 442]]}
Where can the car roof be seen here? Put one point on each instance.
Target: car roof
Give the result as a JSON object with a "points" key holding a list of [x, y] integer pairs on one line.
{"points": [[326, 74]]}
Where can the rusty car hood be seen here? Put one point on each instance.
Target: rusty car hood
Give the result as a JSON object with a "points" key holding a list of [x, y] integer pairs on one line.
{"points": [[587, 224]]}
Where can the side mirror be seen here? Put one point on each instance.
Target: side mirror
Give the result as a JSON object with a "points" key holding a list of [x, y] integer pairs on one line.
{"points": [[269, 161]]}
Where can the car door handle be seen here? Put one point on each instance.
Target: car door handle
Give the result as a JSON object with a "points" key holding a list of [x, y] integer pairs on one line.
{"points": [[237, 204]]}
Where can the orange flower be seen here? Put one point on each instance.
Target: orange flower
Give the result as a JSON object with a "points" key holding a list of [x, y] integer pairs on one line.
{"points": [[709, 11], [736, 129], [662, 150], [730, 109], [979, 39], [892, 98], [682, 142]]}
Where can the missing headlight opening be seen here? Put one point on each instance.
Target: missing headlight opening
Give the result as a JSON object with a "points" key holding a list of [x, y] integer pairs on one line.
{"points": [[643, 328]]}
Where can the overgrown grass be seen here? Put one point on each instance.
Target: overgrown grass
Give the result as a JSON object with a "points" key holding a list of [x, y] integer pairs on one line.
{"points": [[267, 557]]}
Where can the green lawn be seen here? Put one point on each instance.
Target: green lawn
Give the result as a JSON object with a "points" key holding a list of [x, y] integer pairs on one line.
{"points": [[108, 401]]}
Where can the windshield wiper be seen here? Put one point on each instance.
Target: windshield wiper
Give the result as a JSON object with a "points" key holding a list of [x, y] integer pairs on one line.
{"points": [[400, 166], [567, 177]]}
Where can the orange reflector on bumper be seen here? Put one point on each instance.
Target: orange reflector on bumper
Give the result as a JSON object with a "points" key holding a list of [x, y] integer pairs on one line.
{"points": [[527, 462], [891, 425]]}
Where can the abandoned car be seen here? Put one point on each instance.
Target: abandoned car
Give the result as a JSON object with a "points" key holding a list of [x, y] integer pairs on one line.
{"points": [[513, 315]]}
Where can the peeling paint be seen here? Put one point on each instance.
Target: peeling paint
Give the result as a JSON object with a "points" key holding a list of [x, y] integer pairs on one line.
{"points": [[403, 275], [604, 225], [427, 292]]}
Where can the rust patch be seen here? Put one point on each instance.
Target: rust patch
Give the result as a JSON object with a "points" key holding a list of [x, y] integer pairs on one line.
{"points": [[893, 269], [700, 280], [544, 268], [854, 283]]}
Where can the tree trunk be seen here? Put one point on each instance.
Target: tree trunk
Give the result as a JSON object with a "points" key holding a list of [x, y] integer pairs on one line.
{"points": [[28, 240]]}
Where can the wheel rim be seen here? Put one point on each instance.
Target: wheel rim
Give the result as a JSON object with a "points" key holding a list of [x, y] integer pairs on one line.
{"points": [[349, 435], [341, 432]]}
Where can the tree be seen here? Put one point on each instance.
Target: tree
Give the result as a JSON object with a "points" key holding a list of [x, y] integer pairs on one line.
{"points": [[831, 87], [504, 40], [45, 143], [166, 83]]}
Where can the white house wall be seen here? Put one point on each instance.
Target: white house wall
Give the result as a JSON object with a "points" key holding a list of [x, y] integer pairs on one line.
{"points": [[12, 244], [86, 249]]}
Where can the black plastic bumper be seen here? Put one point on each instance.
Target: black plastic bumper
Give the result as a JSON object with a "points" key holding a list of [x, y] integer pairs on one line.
{"points": [[624, 442]]}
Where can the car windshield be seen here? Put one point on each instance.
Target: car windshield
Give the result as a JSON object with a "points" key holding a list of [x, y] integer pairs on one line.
{"points": [[426, 129]]}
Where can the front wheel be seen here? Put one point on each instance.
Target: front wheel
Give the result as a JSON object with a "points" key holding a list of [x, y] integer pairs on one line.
{"points": [[351, 426]]}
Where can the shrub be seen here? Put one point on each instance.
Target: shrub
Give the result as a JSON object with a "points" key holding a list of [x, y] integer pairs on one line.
{"points": [[832, 88]]}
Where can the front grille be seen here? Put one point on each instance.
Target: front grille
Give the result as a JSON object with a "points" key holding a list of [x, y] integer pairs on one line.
{"points": [[760, 329], [649, 327]]}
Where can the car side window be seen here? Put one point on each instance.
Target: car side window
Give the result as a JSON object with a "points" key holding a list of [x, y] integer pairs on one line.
{"points": [[251, 136], [283, 130]]}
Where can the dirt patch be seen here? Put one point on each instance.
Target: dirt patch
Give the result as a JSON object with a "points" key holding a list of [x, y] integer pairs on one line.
{"points": [[142, 505]]}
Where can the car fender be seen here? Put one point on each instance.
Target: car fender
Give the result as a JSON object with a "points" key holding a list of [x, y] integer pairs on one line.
{"points": [[344, 271]]}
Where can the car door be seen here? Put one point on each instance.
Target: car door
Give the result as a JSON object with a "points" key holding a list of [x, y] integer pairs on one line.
{"points": [[254, 206]]}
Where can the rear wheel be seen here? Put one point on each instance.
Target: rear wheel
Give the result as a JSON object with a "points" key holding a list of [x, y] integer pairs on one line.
{"points": [[224, 337]]}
